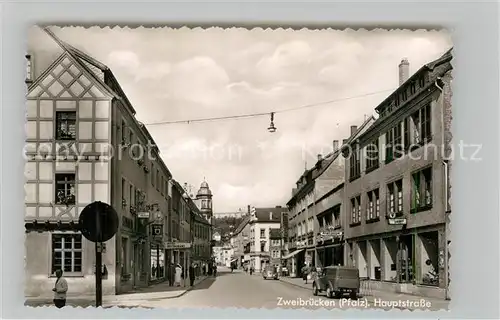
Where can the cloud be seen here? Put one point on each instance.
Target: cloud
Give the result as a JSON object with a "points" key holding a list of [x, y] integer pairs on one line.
{"points": [[179, 74]]}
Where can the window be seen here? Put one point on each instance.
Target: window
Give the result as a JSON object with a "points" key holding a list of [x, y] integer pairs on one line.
{"points": [[354, 164], [65, 188], [67, 252], [29, 68], [131, 195], [422, 125], [407, 130], [393, 144], [372, 161], [131, 136], [157, 180], [413, 88], [373, 210], [336, 217], [262, 247], [421, 82], [421, 193], [124, 185], [152, 175], [262, 233], [65, 125], [123, 132], [356, 210], [395, 197]]}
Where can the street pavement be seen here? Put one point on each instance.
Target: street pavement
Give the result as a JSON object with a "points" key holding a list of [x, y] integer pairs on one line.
{"points": [[240, 290]]}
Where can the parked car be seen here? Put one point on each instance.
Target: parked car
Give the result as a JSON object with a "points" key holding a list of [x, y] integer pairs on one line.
{"points": [[337, 281], [270, 272]]}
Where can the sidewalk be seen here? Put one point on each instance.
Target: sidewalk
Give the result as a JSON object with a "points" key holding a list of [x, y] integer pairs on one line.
{"points": [[153, 292], [437, 304]]}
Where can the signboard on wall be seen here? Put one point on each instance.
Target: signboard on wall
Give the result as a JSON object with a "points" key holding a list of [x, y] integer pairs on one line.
{"points": [[397, 221], [177, 245], [143, 215]]}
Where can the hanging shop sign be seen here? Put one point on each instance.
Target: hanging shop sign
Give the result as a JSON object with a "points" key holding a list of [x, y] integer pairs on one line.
{"points": [[143, 215], [177, 245], [157, 230]]}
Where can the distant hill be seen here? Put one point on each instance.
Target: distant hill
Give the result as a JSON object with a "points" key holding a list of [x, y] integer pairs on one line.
{"points": [[226, 225]]}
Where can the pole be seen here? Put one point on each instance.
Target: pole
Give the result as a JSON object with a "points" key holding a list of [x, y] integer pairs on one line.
{"points": [[98, 262]]}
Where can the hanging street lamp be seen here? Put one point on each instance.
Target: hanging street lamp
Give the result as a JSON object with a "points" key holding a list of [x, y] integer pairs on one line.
{"points": [[272, 128]]}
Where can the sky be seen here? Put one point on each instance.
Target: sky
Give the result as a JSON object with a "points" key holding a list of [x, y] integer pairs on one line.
{"points": [[185, 74]]}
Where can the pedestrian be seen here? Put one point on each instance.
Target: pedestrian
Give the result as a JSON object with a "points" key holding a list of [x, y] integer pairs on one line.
{"points": [[178, 273], [191, 274], [215, 270], [305, 272], [60, 290], [171, 274]]}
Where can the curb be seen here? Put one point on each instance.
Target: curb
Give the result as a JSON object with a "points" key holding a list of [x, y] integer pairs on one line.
{"points": [[295, 285], [183, 293]]}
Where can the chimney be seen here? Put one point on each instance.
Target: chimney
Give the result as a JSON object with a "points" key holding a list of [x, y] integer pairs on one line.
{"points": [[270, 215], [353, 130], [248, 209], [320, 157], [335, 145], [404, 71], [344, 141]]}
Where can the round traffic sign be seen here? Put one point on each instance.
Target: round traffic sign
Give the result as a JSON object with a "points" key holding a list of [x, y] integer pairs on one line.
{"points": [[98, 222]]}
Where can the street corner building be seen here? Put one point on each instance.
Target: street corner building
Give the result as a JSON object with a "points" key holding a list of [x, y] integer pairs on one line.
{"points": [[380, 202], [84, 144]]}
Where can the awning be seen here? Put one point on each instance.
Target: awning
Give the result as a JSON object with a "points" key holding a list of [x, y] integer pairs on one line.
{"points": [[235, 259], [288, 256]]}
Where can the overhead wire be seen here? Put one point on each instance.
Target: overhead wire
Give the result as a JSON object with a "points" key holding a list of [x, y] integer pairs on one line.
{"points": [[251, 115]]}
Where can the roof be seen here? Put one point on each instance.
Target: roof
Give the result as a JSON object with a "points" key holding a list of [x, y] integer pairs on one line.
{"points": [[446, 57], [323, 164], [264, 215], [428, 66], [242, 225], [274, 234]]}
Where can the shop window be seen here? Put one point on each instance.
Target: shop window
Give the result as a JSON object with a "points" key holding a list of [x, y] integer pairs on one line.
{"points": [[421, 190], [65, 125], [406, 256], [429, 258], [67, 253], [65, 188]]}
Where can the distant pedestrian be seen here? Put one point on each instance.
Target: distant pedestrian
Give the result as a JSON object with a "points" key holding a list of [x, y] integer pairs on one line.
{"points": [[171, 274], [191, 275], [178, 273], [60, 290]]}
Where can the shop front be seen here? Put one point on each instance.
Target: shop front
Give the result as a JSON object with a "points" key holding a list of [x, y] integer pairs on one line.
{"points": [[405, 261], [330, 248], [180, 252]]}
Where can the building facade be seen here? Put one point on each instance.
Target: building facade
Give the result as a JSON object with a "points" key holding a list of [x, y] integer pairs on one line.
{"points": [[241, 237], [262, 221], [397, 189], [315, 220], [84, 145], [201, 238], [275, 247]]}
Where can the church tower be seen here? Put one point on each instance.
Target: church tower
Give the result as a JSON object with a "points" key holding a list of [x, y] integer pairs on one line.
{"points": [[204, 201]]}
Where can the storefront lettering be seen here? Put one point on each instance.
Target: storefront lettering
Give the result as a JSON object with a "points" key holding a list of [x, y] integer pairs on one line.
{"points": [[178, 245]]}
